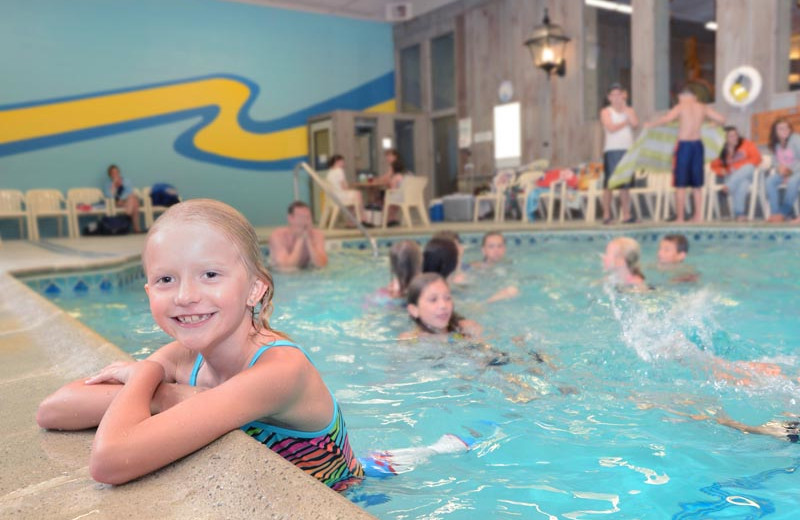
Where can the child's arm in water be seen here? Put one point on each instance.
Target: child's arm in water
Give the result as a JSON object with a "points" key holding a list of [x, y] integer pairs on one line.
{"points": [[505, 293]]}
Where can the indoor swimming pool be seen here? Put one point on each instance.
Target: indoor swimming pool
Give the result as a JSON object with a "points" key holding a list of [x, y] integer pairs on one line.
{"points": [[606, 408]]}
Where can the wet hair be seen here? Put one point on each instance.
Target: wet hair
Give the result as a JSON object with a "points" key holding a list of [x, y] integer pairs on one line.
{"points": [[723, 155], [492, 234], [336, 157], [418, 284], [111, 167], [680, 241], [630, 251], [405, 261], [296, 204], [449, 235], [774, 140], [440, 256], [234, 226]]}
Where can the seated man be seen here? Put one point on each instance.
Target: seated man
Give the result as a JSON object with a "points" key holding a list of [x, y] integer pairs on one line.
{"points": [[298, 245], [121, 191]]}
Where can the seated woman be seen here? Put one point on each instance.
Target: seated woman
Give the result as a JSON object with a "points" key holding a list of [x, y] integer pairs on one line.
{"points": [[392, 179], [338, 182], [121, 191], [735, 167], [785, 145]]}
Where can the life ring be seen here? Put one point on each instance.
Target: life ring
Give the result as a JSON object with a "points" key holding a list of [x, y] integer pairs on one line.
{"points": [[742, 86]]}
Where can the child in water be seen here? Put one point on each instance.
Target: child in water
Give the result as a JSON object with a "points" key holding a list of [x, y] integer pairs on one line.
{"points": [[226, 369], [672, 251], [622, 262], [405, 262], [430, 307]]}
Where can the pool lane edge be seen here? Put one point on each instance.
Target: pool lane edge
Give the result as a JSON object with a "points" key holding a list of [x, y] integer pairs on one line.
{"points": [[45, 474]]}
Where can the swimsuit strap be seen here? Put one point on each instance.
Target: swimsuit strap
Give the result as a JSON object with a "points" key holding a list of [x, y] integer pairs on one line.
{"points": [[277, 343]]}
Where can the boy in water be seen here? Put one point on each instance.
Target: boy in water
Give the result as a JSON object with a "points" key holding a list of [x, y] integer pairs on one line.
{"points": [[689, 155], [672, 251]]}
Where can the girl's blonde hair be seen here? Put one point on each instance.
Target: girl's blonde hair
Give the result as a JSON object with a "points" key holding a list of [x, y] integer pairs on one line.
{"points": [[629, 250], [242, 236]]}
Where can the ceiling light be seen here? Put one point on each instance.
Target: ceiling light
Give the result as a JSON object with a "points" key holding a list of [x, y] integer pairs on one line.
{"points": [[610, 6]]}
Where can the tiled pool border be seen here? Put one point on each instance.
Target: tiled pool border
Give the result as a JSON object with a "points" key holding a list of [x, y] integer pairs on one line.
{"points": [[130, 272]]}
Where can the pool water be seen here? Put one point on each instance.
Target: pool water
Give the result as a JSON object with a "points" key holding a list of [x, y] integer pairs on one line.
{"points": [[590, 417]]}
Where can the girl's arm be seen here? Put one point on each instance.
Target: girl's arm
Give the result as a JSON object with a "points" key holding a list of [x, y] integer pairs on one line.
{"points": [[130, 442]]}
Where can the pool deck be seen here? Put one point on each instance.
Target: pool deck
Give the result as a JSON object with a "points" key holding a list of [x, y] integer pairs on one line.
{"points": [[45, 474]]}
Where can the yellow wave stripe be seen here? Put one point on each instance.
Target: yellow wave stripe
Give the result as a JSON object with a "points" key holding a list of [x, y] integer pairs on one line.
{"points": [[224, 136]]}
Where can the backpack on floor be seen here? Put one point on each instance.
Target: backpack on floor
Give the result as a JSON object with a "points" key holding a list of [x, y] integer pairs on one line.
{"points": [[162, 194]]}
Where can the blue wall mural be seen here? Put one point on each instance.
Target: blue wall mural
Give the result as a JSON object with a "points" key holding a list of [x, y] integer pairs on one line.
{"points": [[211, 96]]}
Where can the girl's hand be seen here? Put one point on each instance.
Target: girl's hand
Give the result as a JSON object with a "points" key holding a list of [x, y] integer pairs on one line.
{"points": [[783, 170], [117, 372]]}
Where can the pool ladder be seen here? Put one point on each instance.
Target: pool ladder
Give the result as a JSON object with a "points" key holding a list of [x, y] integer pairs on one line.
{"points": [[331, 196]]}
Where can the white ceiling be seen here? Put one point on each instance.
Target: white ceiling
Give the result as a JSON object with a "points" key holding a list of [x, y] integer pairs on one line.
{"points": [[700, 11], [364, 9]]}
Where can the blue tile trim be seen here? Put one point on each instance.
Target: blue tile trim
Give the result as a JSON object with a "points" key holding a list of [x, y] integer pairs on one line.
{"points": [[108, 280]]}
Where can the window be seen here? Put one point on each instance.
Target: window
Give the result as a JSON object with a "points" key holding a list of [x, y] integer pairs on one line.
{"points": [[443, 73], [692, 49], [607, 56], [410, 84], [794, 49]]}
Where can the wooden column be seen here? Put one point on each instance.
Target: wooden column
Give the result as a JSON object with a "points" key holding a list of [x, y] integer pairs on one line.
{"points": [[755, 33], [650, 56]]}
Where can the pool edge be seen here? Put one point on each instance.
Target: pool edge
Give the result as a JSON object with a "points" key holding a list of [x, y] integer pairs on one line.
{"points": [[46, 474]]}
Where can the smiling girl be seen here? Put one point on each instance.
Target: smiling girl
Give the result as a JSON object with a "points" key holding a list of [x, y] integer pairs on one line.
{"points": [[226, 369]]}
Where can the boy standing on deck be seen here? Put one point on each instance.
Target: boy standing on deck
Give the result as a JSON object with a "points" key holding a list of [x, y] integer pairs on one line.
{"points": [[689, 154]]}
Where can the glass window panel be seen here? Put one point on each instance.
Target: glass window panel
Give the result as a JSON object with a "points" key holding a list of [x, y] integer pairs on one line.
{"points": [[410, 83], [443, 72]]}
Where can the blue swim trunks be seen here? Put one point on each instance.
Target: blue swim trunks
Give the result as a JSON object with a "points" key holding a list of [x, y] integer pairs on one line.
{"points": [[688, 164]]}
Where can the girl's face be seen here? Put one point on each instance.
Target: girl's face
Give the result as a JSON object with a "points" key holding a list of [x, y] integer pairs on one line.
{"points": [[732, 138], [435, 306], [494, 249], [198, 286], [783, 131]]}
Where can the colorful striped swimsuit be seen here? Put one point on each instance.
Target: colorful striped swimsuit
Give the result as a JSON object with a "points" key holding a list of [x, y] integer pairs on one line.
{"points": [[325, 455]]}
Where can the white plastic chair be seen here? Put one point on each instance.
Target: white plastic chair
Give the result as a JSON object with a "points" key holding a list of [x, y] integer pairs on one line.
{"points": [[43, 203], [12, 206], [497, 197], [410, 194], [652, 191], [527, 182], [90, 199], [756, 188], [330, 211], [150, 210], [762, 191]]}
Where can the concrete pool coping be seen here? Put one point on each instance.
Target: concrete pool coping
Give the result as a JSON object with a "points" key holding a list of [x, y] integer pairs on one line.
{"points": [[45, 474]]}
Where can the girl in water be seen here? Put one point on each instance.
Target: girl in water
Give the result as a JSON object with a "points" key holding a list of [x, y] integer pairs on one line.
{"points": [[430, 307], [226, 369], [622, 263]]}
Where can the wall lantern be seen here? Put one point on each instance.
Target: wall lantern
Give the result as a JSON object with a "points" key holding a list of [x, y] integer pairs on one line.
{"points": [[547, 44]]}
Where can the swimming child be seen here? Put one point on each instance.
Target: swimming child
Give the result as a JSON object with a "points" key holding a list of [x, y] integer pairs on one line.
{"points": [[226, 369], [430, 307], [622, 261], [405, 262], [493, 249], [440, 256], [672, 251], [458, 276]]}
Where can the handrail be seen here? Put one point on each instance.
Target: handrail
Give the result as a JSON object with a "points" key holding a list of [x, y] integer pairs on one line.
{"points": [[332, 196]]}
